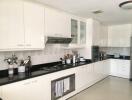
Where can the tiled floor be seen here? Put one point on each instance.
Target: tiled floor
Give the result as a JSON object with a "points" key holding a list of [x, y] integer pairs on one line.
{"points": [[111, 88]]}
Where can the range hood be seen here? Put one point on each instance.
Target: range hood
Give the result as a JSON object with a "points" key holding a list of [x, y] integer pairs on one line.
{"points": [[58, 40]]}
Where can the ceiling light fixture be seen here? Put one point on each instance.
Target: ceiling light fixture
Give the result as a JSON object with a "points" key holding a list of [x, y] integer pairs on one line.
{"points": [[126, 5]]}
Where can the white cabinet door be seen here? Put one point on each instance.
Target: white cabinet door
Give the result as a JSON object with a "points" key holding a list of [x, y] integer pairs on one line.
{"points": [[11, 25], [84, 76], [101, 69], [96, 32], [81, 76], [106, 67], [120, 68], [113, 68], [57, 23], [119, 35], [74, 31], [22, 25], [124, 69], [1, 92], [78, 32], [31, 89], [82, 32], [103, 37], [90, 74], [98, 70], [34, 25], [46, 86]]}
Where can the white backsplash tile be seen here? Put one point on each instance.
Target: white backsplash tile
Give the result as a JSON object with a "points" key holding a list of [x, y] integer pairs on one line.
{"points": [[113, 50], [51, 53]]}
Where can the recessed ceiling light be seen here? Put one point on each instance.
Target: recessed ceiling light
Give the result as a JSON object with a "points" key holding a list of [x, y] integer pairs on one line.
{"points": [[97, 12], [126, 4]]}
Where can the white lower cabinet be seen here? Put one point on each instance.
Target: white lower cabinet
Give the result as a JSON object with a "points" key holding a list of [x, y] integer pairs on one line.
{"points": [[31, 89], [1, 93], [81, 77], [88, 75], [106, 67], [101, 69], [39, 88], [120, 68]]}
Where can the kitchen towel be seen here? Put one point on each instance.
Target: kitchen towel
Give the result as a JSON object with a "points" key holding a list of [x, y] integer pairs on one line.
{"points": [[66, 84], [59, 88]]}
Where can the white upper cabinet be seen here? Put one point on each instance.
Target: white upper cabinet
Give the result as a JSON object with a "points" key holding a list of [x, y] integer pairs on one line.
{"points": [[100, 34], [119, 35], [103, 37], [22, 25], [74, 31], [34, 25], [78, 31], [57, 23], [82, 32], [97, 34], [11, 25]]}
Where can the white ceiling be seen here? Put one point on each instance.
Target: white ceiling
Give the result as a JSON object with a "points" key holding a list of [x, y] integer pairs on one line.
{"points": [[112, 13]]}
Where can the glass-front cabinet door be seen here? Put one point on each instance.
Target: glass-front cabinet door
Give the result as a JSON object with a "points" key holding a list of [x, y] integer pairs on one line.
{"points": [[74, 31], [82, 32]]}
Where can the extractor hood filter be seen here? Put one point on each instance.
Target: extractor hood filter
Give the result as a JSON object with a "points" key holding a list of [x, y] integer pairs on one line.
{"points": [[58, 40]]}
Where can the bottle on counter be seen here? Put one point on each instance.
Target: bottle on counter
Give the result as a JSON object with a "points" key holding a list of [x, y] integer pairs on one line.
{"points": [[28, 65], [11, 69], [74, 59]]}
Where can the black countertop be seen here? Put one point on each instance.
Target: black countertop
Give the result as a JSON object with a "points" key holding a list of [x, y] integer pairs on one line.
{"points": [[36, 70], [122, 57]]}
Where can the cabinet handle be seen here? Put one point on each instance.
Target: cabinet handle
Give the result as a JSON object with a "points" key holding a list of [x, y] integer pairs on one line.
{"points": [[28, 45], [20, 45]]}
